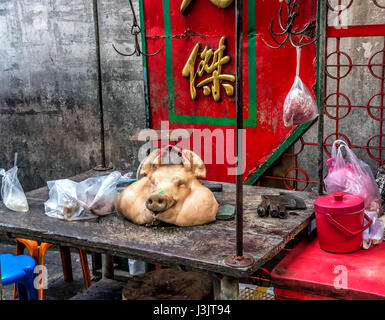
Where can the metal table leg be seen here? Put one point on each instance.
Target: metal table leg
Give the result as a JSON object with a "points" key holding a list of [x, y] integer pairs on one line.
{"points": [[229, 288], [108, 266]]}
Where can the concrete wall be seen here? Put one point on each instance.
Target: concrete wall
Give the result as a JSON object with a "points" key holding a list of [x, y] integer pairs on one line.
{"points": [[123, 89], [49, 107]]}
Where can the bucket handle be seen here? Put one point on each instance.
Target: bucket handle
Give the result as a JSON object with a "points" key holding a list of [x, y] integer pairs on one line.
{"points": [[349, 233]]}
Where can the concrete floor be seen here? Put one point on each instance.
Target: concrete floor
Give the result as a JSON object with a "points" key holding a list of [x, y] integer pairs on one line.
{"points": [[57, 289]]}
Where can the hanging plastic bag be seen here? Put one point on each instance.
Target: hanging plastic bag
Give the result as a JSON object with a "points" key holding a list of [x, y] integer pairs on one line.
{"points": [[12, 192], [373, 235], [88, 199], [351, 175], [300, 106]]}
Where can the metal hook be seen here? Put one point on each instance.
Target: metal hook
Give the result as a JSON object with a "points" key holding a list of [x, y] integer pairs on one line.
{"points": [[135, 31], [293, 11]]}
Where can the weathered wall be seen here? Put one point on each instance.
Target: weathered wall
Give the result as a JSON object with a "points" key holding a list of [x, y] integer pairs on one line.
{"points": [[49, 107], [48, 92], [123, 89]]}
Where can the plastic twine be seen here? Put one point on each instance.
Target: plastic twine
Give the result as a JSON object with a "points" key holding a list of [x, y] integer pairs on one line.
{"points": [[15, 160], [298, 60]]}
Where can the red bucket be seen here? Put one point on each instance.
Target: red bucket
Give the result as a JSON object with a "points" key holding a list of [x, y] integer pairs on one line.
{"points": [[340, 222]]}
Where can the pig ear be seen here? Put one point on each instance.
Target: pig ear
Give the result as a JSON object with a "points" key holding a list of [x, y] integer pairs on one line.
{"points": [[149, 162], [194, 162]]}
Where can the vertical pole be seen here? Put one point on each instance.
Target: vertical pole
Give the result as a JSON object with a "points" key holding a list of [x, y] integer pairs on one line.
{"points": [[229, 288], [321, 84], [240, 260], [108, 266], [239, 129], [100, 89], [144, 61]]}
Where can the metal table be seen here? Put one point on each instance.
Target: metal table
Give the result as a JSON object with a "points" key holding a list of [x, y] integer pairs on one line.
{"points": [[199, 247]]}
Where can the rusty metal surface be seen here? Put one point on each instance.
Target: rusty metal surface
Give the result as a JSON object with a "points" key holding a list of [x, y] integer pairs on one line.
{"points": [[202, 247]]}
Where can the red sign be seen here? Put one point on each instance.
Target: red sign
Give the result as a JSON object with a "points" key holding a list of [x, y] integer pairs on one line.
{"points": [[191, 80]]}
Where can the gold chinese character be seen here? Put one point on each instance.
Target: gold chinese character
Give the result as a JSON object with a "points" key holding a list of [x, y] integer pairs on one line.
{"points": [[214, 69], [219, 3]]}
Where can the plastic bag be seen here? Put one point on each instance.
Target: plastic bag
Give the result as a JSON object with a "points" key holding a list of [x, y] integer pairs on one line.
{"points": [[88, 199], [12, 192], [351, 175], [380, 180], [99, 193], [300, 106], [375, 233]]}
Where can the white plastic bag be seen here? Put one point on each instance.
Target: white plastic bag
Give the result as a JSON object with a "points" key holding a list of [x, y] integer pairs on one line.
{"points": [[300, 106], [88, 199], [12, 192], [375, 233], [99, 193]]}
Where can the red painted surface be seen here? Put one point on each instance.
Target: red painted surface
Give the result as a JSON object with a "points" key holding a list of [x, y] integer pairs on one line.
{"points": [[284, 294], [275, 71], [310, 270]]}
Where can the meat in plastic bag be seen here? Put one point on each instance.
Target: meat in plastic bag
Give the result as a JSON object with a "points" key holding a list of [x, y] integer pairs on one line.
{"points": [[12, 192], [99, 193], [300, 106], [351, 175], [88, 199]]}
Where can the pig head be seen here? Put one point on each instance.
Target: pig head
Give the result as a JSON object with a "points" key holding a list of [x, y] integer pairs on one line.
{"points": [[170, 193]]}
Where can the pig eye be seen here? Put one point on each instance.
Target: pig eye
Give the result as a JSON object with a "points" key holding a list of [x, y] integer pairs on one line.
{"points": [[180, 183]]}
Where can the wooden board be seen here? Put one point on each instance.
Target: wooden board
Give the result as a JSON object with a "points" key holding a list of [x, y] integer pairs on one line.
{"points": [[201, 247]]}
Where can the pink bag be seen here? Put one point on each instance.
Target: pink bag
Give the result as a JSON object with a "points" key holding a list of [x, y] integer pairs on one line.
{"points": [[351, 175]]}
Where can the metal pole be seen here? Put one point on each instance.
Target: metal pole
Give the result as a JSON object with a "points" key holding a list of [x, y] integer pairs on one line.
{"points": [[239, 116], [239, 260], [100, 90], [321, 84]]}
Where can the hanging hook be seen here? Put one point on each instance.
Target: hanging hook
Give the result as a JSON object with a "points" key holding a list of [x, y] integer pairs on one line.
{"points": [[293, 11], [135, 31]]}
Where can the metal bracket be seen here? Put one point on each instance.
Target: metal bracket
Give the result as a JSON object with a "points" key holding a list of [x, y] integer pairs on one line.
{"points": [[240, 261], [135, 31], [103, 168], [293, 11]]}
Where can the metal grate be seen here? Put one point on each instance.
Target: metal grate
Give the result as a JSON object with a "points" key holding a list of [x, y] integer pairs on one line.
{"points": [[341, 72], [251, 292]]}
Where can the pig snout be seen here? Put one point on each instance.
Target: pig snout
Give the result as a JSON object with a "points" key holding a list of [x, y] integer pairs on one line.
{"points": [[157, 203]]}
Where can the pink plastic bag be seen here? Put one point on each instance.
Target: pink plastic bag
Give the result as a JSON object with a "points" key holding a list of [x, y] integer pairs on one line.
{"points": [[351, 175]]}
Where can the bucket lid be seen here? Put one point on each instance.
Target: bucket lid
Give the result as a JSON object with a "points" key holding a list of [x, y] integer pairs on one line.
{"points": [[338, 203]]}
